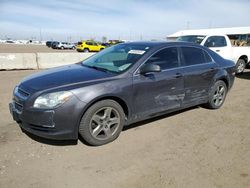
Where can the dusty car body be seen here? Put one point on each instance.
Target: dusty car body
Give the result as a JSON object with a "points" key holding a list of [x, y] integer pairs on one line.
{"points": [[118, 86]]}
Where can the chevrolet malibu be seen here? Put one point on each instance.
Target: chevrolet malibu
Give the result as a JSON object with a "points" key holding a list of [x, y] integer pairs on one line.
{"points": [[120, 85]]}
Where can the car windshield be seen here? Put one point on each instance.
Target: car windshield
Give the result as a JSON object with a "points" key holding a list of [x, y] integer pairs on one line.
{"points": [[117, 58], [192, 38]]}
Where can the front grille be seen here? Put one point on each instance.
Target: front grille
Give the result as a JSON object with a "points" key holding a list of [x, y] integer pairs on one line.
{"points": [[19, 98], [18, 107]]}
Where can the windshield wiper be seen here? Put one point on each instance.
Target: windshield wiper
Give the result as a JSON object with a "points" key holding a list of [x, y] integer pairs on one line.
{"points": [[98, 68]]}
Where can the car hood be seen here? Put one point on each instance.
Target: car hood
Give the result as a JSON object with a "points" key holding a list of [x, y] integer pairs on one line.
{"points": [[62, 76]]}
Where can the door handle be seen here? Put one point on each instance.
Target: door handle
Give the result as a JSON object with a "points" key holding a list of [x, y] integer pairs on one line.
{"points": [[217, 50], [212, 68], [178, 75]]}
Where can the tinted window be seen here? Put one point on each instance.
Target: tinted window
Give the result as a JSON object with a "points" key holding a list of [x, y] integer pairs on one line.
{"points": [[215, 41], [89, 43], [166, 58], [207, 57], [193, 56], [192, 38]]}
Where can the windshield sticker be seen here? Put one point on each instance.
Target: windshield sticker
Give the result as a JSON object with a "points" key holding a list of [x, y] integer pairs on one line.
{"points": [[138, 52]]}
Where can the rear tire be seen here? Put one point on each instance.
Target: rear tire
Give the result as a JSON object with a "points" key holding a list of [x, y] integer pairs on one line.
{"points": [[62, 48], [217, 95], [86, 50], [102, 123], [240, 66]]}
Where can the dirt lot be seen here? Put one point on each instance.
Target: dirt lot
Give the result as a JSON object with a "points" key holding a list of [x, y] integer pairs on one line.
{"points": [[192, 148], [31, 48]]}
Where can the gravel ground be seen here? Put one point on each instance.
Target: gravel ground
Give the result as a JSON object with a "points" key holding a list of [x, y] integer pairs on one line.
{"points": [[192, 148], [28, 48]]}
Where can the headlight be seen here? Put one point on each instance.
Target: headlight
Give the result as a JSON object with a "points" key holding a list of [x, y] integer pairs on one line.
{"points": [[52, 100]]}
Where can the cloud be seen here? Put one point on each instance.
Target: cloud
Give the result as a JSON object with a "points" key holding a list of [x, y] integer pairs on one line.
{"points": [[130, 19]]}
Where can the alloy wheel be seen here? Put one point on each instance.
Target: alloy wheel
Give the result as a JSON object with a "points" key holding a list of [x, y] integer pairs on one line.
{"points": [[240, 67], [104, 123], [219, 95]]}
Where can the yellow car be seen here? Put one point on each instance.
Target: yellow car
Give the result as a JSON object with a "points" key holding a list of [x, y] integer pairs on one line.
{"points": [[89, 46]]}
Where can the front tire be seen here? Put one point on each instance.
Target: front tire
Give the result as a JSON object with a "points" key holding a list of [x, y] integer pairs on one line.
{"points": [[217, 95], [240, 66], [102, 123]]}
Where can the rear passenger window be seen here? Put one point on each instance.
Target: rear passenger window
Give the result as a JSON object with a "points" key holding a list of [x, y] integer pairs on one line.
{"points": [[166, 58], [207, 57], [193, 56]]}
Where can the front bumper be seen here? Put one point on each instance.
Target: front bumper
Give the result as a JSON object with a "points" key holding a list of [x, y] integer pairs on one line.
{"points": [[59, 124]]}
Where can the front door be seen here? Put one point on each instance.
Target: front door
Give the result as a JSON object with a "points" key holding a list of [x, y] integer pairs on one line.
{"points": [[161, 91]]}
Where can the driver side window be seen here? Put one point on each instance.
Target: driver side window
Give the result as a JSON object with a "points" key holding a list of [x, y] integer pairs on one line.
{"points": [[166, 58], [216, 41]]}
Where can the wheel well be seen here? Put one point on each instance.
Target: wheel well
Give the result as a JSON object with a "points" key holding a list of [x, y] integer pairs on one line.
{"points": [[244, 57], [224, 80], [116, 99]]}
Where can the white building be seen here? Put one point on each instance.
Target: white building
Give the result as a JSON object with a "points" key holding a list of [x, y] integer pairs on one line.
{"points": [[212, 31]]}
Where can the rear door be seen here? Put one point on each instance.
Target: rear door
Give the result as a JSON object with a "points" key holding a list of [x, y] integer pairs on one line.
{"points": [[199, 72], [160, 91]]}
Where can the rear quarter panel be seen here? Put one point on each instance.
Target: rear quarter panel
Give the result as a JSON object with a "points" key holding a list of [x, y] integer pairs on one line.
{"points": [[227, 69]]}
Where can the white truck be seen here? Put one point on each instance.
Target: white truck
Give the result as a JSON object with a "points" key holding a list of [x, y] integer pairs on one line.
{"points": [[235, 50]]}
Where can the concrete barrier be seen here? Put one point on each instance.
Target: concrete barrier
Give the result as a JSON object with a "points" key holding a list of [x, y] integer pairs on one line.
{"points": [[50, 60], [10, 61]]}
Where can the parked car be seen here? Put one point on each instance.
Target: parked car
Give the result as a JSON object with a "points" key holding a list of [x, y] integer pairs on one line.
{"points": [[120, 85], [49, 44], [114, 42], [9, 41], [225, 47], [63, 45], [89, 46], [106, 44]]}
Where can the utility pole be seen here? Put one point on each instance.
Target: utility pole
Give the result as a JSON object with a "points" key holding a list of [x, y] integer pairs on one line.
{"points": [[41, 38], [188, 25]]}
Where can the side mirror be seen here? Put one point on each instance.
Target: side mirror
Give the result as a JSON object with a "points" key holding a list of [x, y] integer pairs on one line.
{"points": [[149, 67]]}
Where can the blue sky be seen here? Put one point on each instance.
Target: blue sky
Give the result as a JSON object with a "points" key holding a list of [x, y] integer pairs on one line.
{"points": [[124, 19]]}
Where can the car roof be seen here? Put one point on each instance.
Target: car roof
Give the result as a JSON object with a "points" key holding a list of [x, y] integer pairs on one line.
{"points": [[164, 43]]}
